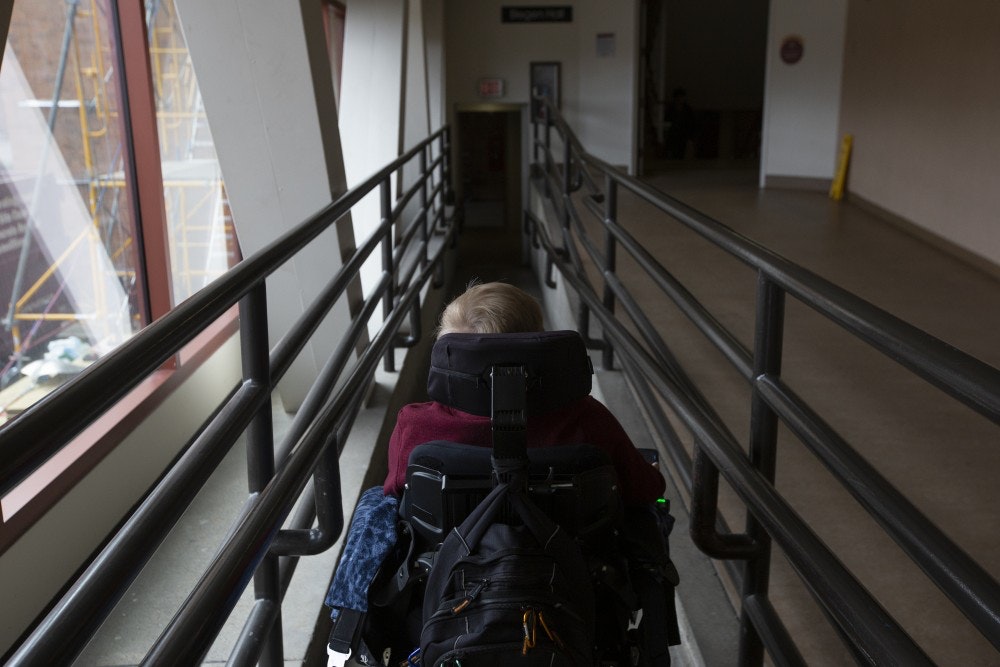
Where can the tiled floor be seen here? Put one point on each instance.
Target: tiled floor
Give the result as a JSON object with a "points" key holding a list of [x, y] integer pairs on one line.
{"points": [[940, 454]]}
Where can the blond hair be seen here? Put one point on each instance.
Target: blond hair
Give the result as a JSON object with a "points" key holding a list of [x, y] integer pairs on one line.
{"points": [[492, 308]]}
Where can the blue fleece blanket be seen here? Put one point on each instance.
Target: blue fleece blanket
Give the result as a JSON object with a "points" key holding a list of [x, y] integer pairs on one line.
{"points": [[371, 536]]}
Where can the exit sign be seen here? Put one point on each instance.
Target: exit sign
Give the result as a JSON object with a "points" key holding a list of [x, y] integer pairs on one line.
{"points": [[491, 87], [536, 14]]}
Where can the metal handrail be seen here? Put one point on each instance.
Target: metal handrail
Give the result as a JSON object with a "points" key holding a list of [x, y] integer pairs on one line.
{"points": [[650, 366], [257, 547]]}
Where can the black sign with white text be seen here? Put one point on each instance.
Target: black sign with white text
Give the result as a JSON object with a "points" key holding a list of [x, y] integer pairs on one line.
{"points": [[537, 14]]}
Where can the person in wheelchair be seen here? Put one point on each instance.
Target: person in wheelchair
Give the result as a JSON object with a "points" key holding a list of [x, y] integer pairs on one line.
{"points": [[584, 474], [500, 308]]}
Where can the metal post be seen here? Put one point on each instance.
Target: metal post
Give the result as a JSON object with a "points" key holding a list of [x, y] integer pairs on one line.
{"points": [[583, 322], [534, 140], [260, 456], [423, 205], [567, 182], [610, 262], [449, 194], [388, 300], [768, 335], [548, 138]]}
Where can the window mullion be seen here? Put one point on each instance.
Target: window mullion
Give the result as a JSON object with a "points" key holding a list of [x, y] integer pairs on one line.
{"points": [[139, 108]]}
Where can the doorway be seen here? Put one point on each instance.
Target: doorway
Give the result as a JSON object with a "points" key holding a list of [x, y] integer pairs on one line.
{"points": [[701, 84], [489, 183]]}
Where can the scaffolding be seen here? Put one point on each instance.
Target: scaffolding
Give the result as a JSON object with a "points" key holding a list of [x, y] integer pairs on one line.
{"points": [[199, 227]]}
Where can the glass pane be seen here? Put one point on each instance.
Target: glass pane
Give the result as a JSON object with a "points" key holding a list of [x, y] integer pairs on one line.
{"points": [[202, 241], [69, 288]]}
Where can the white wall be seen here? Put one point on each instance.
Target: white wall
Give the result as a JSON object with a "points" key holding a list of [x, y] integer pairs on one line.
{"points": [[801, 101], [922, 101], [44, 558], [253, 68], [598, 94], [607, 87]]}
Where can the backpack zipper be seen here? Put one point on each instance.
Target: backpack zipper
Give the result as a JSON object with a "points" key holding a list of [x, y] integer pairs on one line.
{"points": [[471, 596]]}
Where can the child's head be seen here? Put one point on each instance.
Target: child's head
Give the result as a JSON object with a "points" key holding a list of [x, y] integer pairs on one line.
{"points": [[492, 308]]}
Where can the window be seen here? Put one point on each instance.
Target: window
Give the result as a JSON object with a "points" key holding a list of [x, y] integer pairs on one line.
{"points": [[70, 287], [76, 278], [112, 210]]}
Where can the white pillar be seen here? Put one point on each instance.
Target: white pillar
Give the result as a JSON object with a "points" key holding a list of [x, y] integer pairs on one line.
{"points": [[371, 105], [279, 163], [416, 114]]}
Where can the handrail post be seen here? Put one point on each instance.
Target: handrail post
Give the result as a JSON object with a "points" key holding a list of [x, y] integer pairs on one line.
{"points": [[424, 236], [768, 336], [567, 182], [445, 139], [583, 318], [260, 455], [548, 131], [441, 202], [534, 133], [388, 300], [610, 261]]}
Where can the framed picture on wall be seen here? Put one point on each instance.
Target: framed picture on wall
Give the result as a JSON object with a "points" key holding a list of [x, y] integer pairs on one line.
{"points": [[544, 83]]}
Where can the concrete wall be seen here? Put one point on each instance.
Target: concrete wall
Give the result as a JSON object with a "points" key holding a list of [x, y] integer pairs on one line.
{"points": [[800, 138], [922, 101], [597, 91]]}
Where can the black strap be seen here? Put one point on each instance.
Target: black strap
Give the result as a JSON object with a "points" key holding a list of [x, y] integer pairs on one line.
{"points": [[508, 420], [346, 630]]}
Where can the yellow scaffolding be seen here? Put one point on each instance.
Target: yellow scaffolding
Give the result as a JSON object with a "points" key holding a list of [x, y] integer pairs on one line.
{"points": [[181, 121]]}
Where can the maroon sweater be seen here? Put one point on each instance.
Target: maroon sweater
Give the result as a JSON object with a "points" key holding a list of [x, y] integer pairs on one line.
{"points": [[586, 421]]}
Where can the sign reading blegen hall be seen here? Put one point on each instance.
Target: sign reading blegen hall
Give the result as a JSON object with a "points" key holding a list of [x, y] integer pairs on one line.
{"points": [[537, 14]]}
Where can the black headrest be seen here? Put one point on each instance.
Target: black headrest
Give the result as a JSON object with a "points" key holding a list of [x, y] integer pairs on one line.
{"points": [[556, 362]]}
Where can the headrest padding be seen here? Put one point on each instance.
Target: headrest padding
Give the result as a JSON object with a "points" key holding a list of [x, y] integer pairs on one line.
{"points": [[556, 362]]}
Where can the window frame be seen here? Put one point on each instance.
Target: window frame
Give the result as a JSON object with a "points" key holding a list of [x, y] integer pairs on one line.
{"points": [[139, 105]]}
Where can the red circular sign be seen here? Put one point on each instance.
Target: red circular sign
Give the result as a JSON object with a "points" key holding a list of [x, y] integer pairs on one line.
{"points": [[792, 49]]}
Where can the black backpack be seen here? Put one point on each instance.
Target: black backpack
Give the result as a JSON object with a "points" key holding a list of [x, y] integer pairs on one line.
{"points": [[508, 587]]}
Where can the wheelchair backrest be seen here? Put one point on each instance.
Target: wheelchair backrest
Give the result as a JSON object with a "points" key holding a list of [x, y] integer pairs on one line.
{"points": [[556, 363], [574, 483]]}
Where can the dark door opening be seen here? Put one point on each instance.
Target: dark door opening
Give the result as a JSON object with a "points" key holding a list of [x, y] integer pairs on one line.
{"points": [[702, 84], [489, 184]]}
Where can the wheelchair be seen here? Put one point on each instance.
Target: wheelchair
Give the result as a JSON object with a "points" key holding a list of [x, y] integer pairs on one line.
{"points": [[378, 591]]}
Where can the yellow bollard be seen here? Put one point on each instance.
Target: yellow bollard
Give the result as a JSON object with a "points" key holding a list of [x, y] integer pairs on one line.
{"points": [[840, 178]]}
